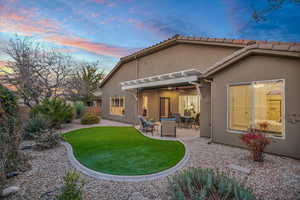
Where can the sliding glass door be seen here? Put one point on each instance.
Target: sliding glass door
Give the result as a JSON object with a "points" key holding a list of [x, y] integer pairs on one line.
{"points": [[258, 105], [189, 105]]}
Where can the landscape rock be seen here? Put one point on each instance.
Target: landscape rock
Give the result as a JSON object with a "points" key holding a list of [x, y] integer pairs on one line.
{"points": [[137, 196], [10, 190]]}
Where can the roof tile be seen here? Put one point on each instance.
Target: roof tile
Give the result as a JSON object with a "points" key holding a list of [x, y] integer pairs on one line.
{"points": [[295, 48], [281, 47], [265, 46]]}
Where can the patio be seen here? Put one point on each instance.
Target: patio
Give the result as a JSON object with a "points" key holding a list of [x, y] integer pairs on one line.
{"points": [[181, 133]]}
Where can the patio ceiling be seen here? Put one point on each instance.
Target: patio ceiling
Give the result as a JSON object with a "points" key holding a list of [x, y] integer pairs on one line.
{"points": [[179, 77]]}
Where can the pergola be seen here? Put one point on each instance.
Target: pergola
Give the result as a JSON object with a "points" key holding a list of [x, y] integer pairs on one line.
{"points": [[190, 76]]}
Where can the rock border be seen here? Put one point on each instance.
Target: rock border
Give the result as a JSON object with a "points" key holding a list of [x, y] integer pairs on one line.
{"points": [[134, 178]]}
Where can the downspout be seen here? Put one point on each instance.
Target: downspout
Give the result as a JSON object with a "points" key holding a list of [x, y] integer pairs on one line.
{"points": [[211, 114], [137, 90]]}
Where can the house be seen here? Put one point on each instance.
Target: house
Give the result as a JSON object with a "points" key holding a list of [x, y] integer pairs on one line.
{"points": [[234, 84]]}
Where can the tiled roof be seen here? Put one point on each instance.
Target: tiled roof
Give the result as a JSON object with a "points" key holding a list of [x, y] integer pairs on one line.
{"points": [[245, 45], [273, 46], [217, 41]]}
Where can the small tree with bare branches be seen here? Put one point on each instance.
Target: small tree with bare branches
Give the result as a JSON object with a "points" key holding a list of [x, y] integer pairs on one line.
{"points": [[37, 73]]}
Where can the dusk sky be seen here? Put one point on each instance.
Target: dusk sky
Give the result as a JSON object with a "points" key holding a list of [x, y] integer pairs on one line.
{"points": [[106, 30]]}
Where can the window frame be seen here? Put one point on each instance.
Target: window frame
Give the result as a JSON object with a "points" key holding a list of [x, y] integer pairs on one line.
{"points": [[112, 103], [252, 83]]}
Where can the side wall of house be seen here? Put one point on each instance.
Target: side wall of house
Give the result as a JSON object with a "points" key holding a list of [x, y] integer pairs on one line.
{"points": [[174, 58], [113, 88], [257, 68]]}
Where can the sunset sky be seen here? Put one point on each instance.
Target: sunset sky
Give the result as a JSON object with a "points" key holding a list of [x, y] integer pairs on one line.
{"points": [[106, 30]]}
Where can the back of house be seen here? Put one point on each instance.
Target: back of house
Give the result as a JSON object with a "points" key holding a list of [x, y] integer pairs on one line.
{"points": [[231, 84]]}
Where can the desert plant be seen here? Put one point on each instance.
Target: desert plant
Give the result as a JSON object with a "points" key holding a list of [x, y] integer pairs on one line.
{"points": [[256, 142], [72, 188], [90, 119], [79, 109], [11, 159], [56, 110], [198, 184], [47, 140], [35, 126]]}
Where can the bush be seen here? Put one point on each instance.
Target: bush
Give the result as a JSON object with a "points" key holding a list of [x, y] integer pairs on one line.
{"points": [[35, 126], [197, 183], [79, 109], [90, 119], [11, 159], [47, 140], [56, 110], [72, 188], [256, 142]]}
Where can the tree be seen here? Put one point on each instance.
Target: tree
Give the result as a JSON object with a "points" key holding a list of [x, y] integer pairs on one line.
{"points": [[85, 82], [273, 5], [37, 73]]}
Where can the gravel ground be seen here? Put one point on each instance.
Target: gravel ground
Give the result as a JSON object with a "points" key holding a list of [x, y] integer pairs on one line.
{"points": [[276, 178]]}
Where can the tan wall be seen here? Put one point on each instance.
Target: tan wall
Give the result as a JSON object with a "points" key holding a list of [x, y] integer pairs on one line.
{"points": [[113, 88], [255, 68], [205, 116], [174, 58], [181, 57]]}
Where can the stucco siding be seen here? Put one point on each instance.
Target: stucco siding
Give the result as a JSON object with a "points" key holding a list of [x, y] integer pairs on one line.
{"points": [[181, 57], [113, 88], [257, 68], [174, 58]]}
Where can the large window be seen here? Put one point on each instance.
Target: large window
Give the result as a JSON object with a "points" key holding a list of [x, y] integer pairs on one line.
{"points": [[259, 105], [117, 105], [189, 105]]}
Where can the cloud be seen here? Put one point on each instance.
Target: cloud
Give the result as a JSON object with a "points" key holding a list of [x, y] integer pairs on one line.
{"points": [[168, 27], [25, 22], [105, 2], [28, 22], [93, 47], [281, 25]]}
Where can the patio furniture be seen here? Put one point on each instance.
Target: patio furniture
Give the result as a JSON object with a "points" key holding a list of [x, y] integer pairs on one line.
{"points": [[178, 119], [147, 126], [196, 122], [187, 121], [168, 127]]}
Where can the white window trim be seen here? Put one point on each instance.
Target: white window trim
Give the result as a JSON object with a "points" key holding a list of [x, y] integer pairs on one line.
{"points": [[253, 113], [110, 105]]}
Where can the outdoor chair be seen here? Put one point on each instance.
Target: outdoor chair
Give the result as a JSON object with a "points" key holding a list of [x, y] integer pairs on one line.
{"points": [[168, 128], [196, 122], [146, 126], [178, 119]]}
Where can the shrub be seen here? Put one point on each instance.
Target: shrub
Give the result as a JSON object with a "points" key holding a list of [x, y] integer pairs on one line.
{"points": [[90, 119], [79, 109], [47, 140], [256, 142], [198, 183], [35, 126], [72, 188], [56, 110], [11, 159]]}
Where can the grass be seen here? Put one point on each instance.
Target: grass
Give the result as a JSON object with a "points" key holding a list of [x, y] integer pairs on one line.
{"points": [[123, 150]]}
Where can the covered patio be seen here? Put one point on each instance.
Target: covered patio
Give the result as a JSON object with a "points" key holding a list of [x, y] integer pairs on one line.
{"points": [[175, 96]]}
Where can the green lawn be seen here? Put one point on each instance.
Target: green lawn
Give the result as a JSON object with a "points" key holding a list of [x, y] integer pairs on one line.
{"points": [[123, 150]]}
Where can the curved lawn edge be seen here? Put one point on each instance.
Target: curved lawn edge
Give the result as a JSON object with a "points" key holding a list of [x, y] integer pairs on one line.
{"points": [[132, 178]]}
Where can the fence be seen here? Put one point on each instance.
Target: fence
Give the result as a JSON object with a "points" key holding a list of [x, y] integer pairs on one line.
{"points": [[95, 110]]}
